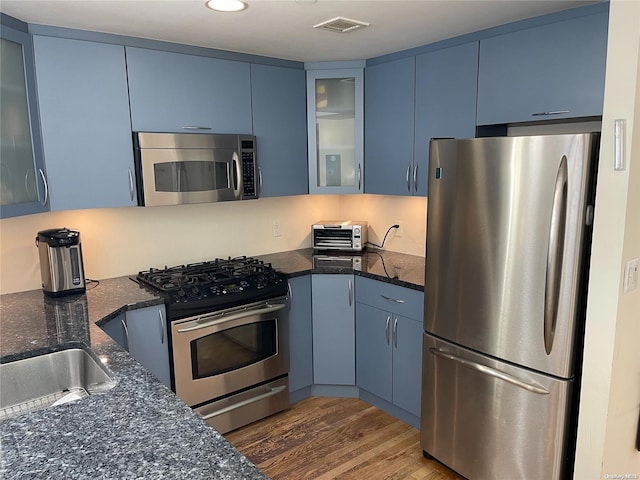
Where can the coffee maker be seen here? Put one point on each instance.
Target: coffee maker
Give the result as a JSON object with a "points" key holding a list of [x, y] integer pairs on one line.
{"points": [[61, 265]]}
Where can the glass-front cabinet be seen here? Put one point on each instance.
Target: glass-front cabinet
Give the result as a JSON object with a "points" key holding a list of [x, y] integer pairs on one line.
{"points": [[335, 122], [22, 175]]}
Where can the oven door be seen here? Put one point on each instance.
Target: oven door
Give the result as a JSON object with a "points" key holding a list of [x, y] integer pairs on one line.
{"points": [[219, 353], [172, 176]]}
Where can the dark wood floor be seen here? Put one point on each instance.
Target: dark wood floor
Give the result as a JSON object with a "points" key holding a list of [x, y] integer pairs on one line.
{"points": [[336, 438]]}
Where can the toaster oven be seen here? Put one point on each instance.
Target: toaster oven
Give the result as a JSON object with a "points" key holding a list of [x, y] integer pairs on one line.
{"points": [[346, 236]]}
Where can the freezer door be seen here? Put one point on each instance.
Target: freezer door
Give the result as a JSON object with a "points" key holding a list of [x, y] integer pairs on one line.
{"points": [[505, 230], [488, 420]]}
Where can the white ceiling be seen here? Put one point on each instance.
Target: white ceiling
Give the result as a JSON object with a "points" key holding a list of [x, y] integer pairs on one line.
{"points": [[283, 28]]}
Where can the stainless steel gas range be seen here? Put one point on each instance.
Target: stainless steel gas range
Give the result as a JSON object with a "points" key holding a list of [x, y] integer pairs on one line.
{"points": [[228, 331]]}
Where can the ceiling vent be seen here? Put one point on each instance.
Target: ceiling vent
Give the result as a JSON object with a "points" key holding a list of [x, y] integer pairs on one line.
{"points": [[341, 25]]}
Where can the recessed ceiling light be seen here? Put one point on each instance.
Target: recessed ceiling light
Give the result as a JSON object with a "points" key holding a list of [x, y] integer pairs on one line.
{"points": [[226, 5]]}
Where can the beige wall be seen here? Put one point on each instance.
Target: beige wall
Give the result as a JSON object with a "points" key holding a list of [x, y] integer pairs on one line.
{"points": [[610, 402], [122, 241]]}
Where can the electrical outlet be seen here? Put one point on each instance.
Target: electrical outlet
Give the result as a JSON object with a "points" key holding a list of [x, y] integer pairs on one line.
{"points": [[631, 274], [277, 231], [399, 232]]}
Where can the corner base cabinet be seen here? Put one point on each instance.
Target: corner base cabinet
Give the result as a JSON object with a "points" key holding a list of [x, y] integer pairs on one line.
{"points": [[333, 329]]}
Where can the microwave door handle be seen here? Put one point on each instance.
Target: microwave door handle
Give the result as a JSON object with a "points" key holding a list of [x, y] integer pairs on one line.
{"points": [[238, 187]]}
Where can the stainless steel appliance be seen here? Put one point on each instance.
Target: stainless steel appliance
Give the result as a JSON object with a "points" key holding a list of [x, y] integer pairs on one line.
{"points": [[229, 337], [61, 266], [343, 235], [177, 168], [508, 233]]}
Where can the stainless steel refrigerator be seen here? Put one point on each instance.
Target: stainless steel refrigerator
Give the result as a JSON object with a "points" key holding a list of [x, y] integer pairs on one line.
{"points": [[508, 228]]}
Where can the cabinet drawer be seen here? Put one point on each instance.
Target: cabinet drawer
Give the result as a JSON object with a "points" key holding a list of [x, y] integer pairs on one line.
{"points": [[391, 298]]}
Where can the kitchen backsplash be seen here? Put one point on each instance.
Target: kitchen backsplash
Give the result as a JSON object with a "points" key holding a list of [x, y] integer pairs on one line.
{"points": [[122, 241]]}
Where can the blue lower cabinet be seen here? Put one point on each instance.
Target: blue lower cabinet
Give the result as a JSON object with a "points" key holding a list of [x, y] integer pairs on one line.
{"points": [[333, 306], [407, 364], [389, 356], [143, 333], [389, 346], [116, 329], [148, 341], [300, 334], [374, 355]]}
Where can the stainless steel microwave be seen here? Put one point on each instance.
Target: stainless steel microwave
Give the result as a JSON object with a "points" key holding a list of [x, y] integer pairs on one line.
{"points": [[179, 168]]}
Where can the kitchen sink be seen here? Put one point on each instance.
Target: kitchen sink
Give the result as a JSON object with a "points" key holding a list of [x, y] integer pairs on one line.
{"points": [[51, 379]]}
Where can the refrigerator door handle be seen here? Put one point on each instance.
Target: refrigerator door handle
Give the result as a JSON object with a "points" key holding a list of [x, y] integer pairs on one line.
{"points": [[555, 254], [492, 372]]}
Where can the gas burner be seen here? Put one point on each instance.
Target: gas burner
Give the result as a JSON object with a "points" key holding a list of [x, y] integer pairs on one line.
{"points": [[215, 282]]}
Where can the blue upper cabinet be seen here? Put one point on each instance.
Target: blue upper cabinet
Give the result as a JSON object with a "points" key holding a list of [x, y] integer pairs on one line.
{"points": [[22, 173], [445, 105], [279, 124], [551, 71], [389, 117], [335, 108], [84, 116], [174, 92]]}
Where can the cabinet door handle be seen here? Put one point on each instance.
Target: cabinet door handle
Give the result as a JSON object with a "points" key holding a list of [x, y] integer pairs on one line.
{"points": [[290, 295], [415, 178], [395, 332], [131, 191], [195, 127], [46, 187], [552, 112], [350, 292], [259, 181], [126, 332], [408, 182], [386, 331], [359, 177], [396, 300], [162, 326]]}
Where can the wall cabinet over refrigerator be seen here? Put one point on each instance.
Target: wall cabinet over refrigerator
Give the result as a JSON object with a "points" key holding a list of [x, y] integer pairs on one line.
{"points": [[279, 124], [548, 72], [335, 130], [84, 116], [446, 88], [22, 173], [175, 92]]}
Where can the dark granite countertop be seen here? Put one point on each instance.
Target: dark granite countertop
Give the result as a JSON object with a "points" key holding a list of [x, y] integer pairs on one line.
{"points": [[139, 428], [391, 267]]}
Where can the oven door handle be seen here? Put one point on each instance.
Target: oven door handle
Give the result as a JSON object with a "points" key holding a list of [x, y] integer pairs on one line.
{"points": [[273, 391], [199, 324]]}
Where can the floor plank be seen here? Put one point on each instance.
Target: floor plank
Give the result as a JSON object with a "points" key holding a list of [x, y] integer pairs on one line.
{"points": [[336, 438]]}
